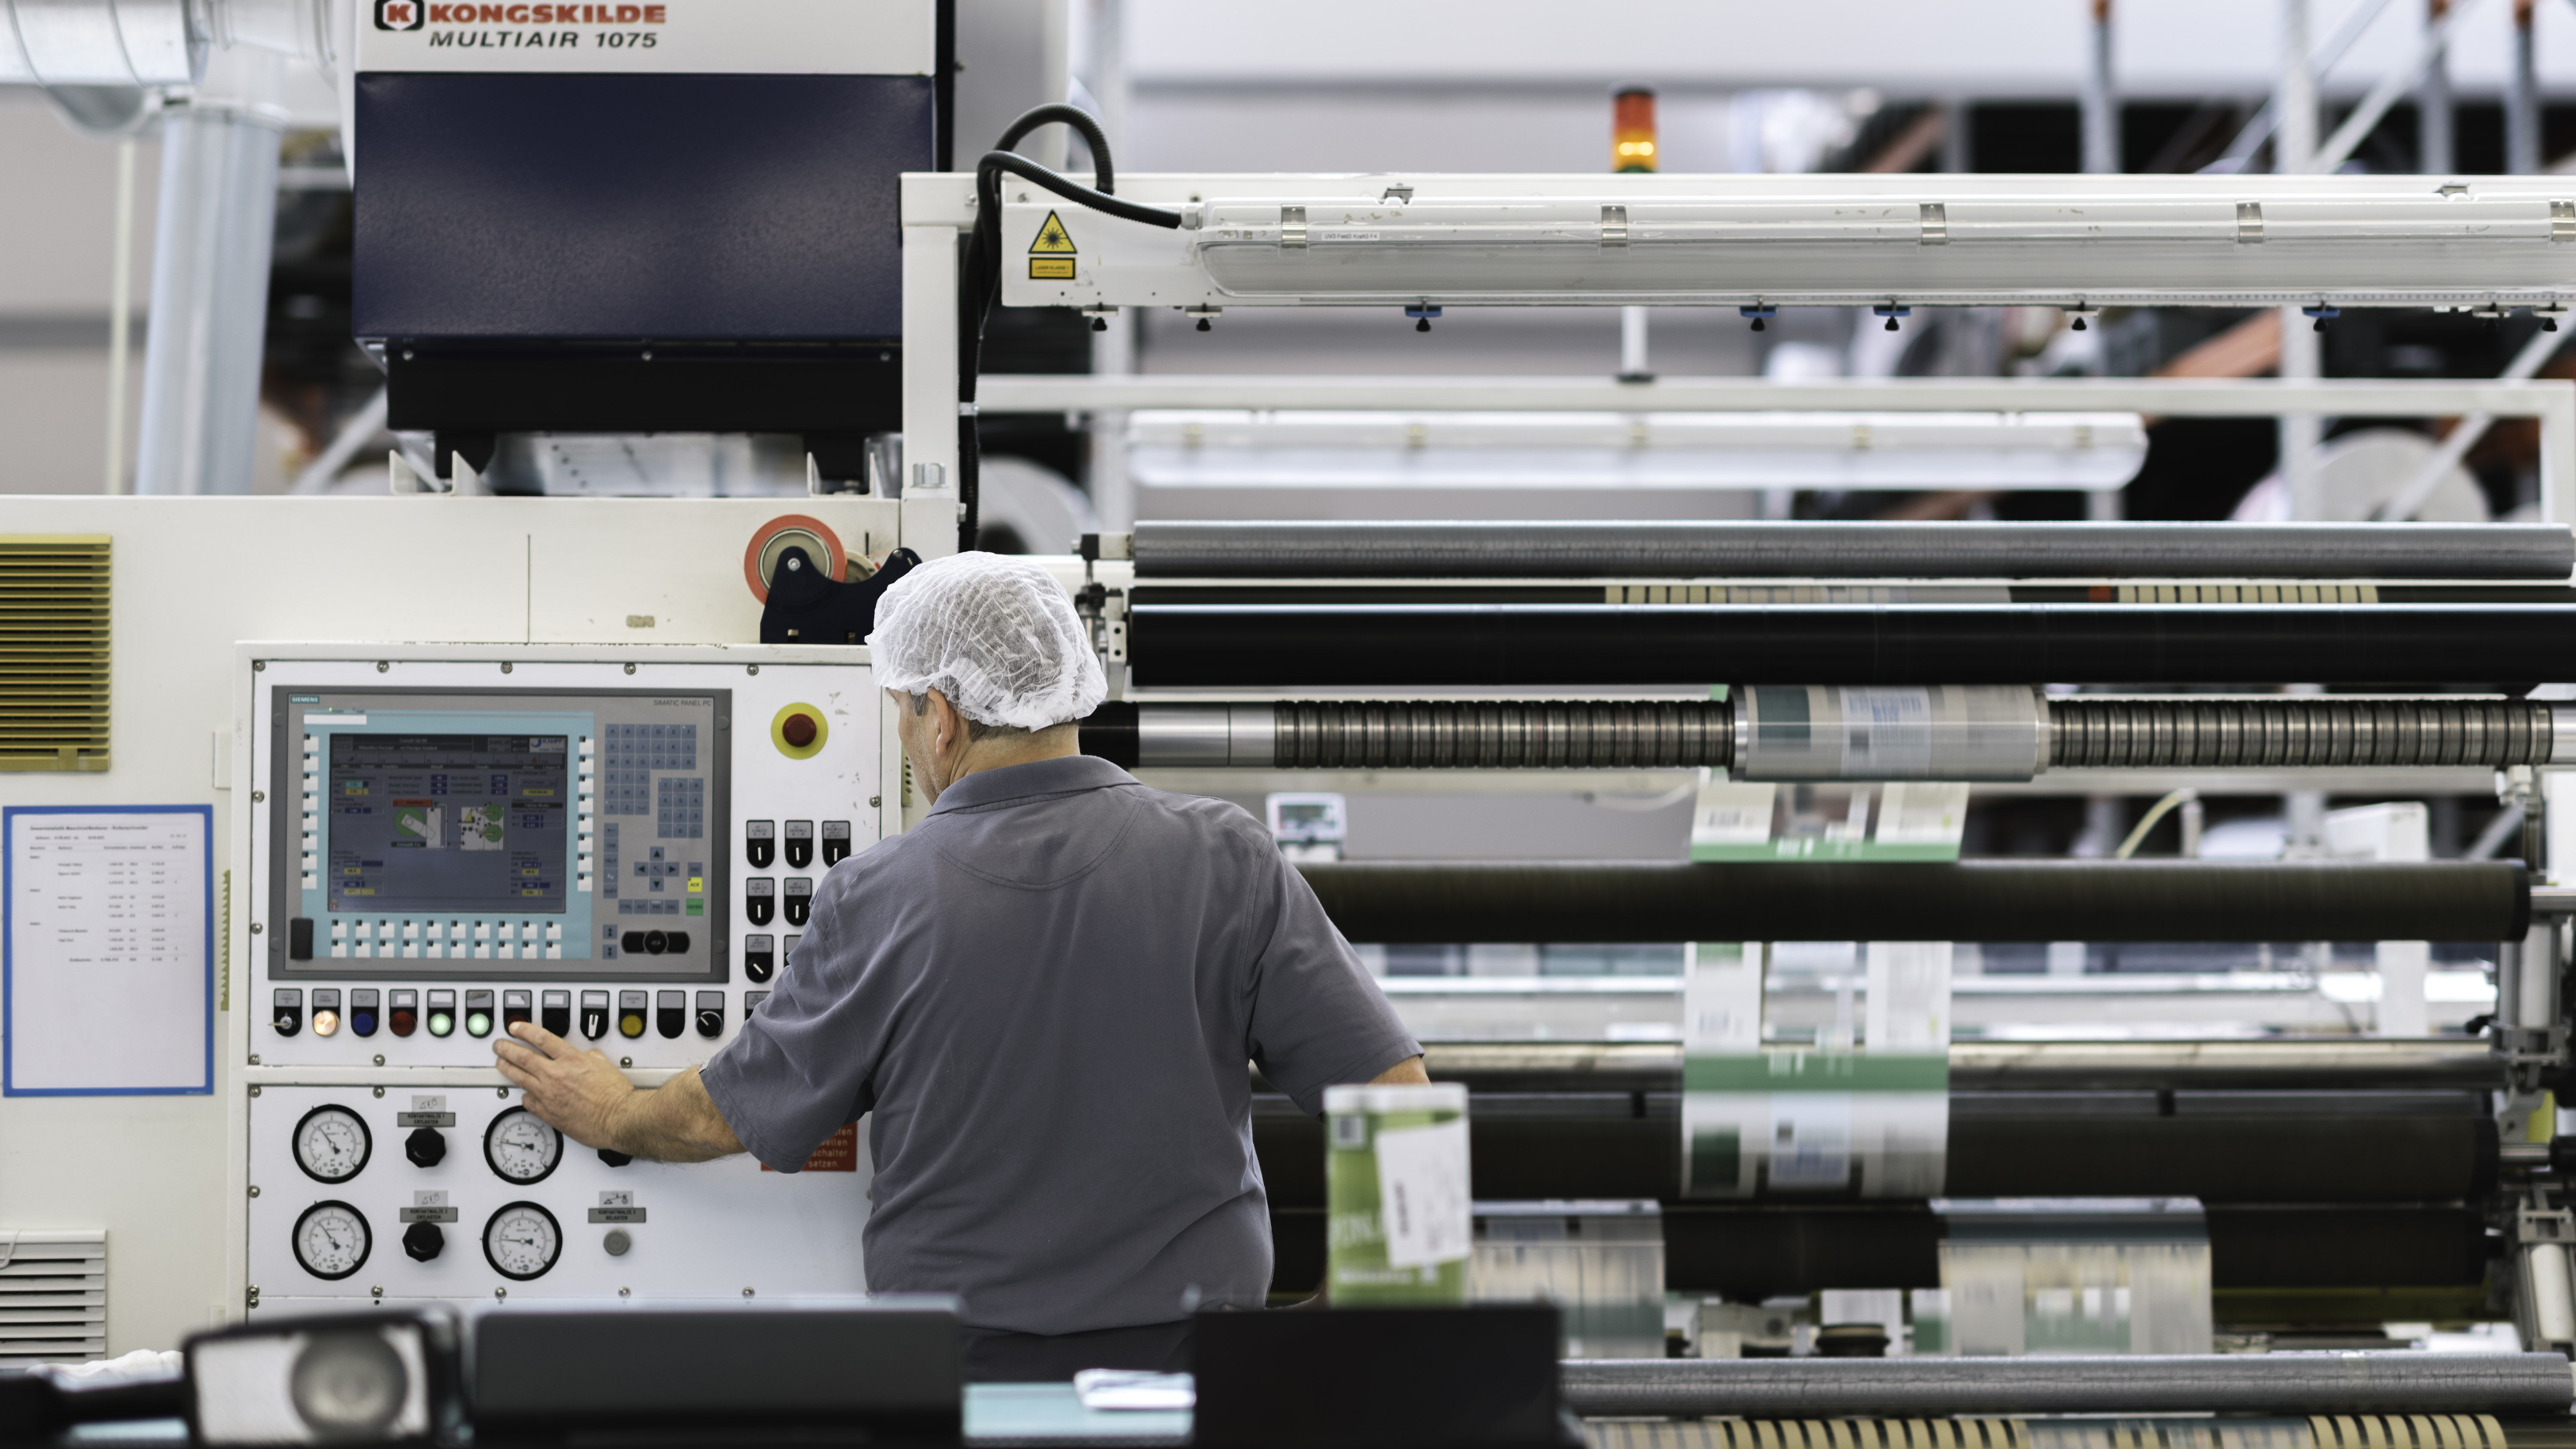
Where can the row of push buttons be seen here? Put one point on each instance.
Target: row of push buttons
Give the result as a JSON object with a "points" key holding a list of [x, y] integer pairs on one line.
{"points": [[401, 1012], [503, 940], [760, 840]]}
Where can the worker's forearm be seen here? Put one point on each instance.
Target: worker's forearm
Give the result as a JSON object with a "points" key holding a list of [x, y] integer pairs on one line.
{"points": [[676, 1122]]}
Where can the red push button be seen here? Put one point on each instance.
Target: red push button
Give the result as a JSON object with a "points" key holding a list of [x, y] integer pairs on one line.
{"points": [[799, 730]]}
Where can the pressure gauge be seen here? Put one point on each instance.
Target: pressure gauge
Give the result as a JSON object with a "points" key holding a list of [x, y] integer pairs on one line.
{"points": [[522, 1241], [332, 1240], [332, 1144], [520, 1147]]}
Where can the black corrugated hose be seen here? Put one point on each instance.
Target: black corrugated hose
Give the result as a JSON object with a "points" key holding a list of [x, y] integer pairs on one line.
{"points": [[982, 274]]}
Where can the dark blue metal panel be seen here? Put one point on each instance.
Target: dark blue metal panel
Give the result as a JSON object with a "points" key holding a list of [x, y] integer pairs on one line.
{"points": [[510, 208]]}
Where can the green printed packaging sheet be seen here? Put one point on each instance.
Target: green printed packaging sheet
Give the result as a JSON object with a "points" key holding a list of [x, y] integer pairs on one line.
{"points": [[1398, 1224], [1910, 820], [1786, 1121]]}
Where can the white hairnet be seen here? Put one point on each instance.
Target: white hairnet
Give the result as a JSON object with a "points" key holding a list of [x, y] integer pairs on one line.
{"points": [[996, 635]]}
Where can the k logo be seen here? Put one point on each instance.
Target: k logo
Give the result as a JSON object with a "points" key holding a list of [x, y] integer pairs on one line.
{"points": [[399, 14]]}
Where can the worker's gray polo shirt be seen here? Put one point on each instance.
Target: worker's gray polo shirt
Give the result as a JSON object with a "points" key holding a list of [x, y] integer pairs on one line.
{"points": [[1046, 993]]}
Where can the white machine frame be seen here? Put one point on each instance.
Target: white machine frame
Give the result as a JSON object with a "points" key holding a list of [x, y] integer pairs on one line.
{"points": [[516, 580], [2386, 225], [812, 1246]]}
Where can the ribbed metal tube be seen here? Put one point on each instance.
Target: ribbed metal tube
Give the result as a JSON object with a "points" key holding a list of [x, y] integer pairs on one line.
{"points": [[2290, 733], [2183, 734], [1628, 734], [2291, 1383]]}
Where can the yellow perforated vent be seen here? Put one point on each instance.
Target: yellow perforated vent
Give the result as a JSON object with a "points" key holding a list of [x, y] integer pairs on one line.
{"points": [[53, 652]]}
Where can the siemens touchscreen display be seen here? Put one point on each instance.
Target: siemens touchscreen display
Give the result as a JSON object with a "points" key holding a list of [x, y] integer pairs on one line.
{"points": [[447, 822]]}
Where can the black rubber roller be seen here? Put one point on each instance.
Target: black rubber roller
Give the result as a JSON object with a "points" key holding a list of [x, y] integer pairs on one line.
{"points": [[1986, 900], [1439, 646]]}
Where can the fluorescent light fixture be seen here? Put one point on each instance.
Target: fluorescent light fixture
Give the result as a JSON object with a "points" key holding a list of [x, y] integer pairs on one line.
{"points": [[2086, 452], [1824, 240]]}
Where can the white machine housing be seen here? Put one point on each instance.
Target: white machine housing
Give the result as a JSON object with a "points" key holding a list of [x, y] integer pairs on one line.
{"points": [[712, 1229], [558, 589]]}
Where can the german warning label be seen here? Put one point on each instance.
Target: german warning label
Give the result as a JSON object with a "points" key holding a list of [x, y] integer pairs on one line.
{"points": [[839, 1152], [1052, 238]]}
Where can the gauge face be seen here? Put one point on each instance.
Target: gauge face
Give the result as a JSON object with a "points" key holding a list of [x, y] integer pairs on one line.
{"points": [[522, 1241], [332, 1144], [332, 1240], [520, 1147]]}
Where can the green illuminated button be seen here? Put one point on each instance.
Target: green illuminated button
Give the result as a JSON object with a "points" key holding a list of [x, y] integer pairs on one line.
{"points": [[440, 1023], [477, 1023]]}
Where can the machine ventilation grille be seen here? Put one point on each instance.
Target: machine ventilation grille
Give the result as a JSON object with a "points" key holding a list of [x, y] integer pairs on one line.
{"points": [[53, 1297], [53, 652]]}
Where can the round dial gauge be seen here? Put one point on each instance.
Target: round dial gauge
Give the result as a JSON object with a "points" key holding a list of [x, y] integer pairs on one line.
{"points": [[332, 1144], [520, 1147], [522, 1241], [332, 1240]]}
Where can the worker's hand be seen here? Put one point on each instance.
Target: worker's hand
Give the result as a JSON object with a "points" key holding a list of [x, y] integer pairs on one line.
{"points": [[576, 1092]]}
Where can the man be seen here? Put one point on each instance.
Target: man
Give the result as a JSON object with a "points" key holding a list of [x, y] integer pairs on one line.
{"points": [[1045, 994]]}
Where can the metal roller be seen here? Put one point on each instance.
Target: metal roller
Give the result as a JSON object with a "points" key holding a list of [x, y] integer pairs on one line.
{"points": [[1990, 732], [1558, 550], [2295, 733], [2289, 1064], [1311, 646], [2345, 1431], [2292, 1383], [1752, 1251], [1581, 735], [1985, 900], [2221, 1150], [1416, 734], [1764, 1250]]}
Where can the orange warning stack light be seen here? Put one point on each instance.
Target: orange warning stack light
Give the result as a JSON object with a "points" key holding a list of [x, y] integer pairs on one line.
{"points": [[1632, 130]]}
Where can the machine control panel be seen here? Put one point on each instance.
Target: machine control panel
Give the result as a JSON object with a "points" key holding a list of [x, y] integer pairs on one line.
{"points": [[611, 849], [407, 1193], [451, 851]]}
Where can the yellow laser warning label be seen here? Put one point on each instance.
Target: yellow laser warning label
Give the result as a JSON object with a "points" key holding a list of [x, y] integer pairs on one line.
{"points": [[1050, 269], [1052, 237]]}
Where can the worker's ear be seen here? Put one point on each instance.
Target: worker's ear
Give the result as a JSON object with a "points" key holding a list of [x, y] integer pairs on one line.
{"points": [[946, 724]]}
